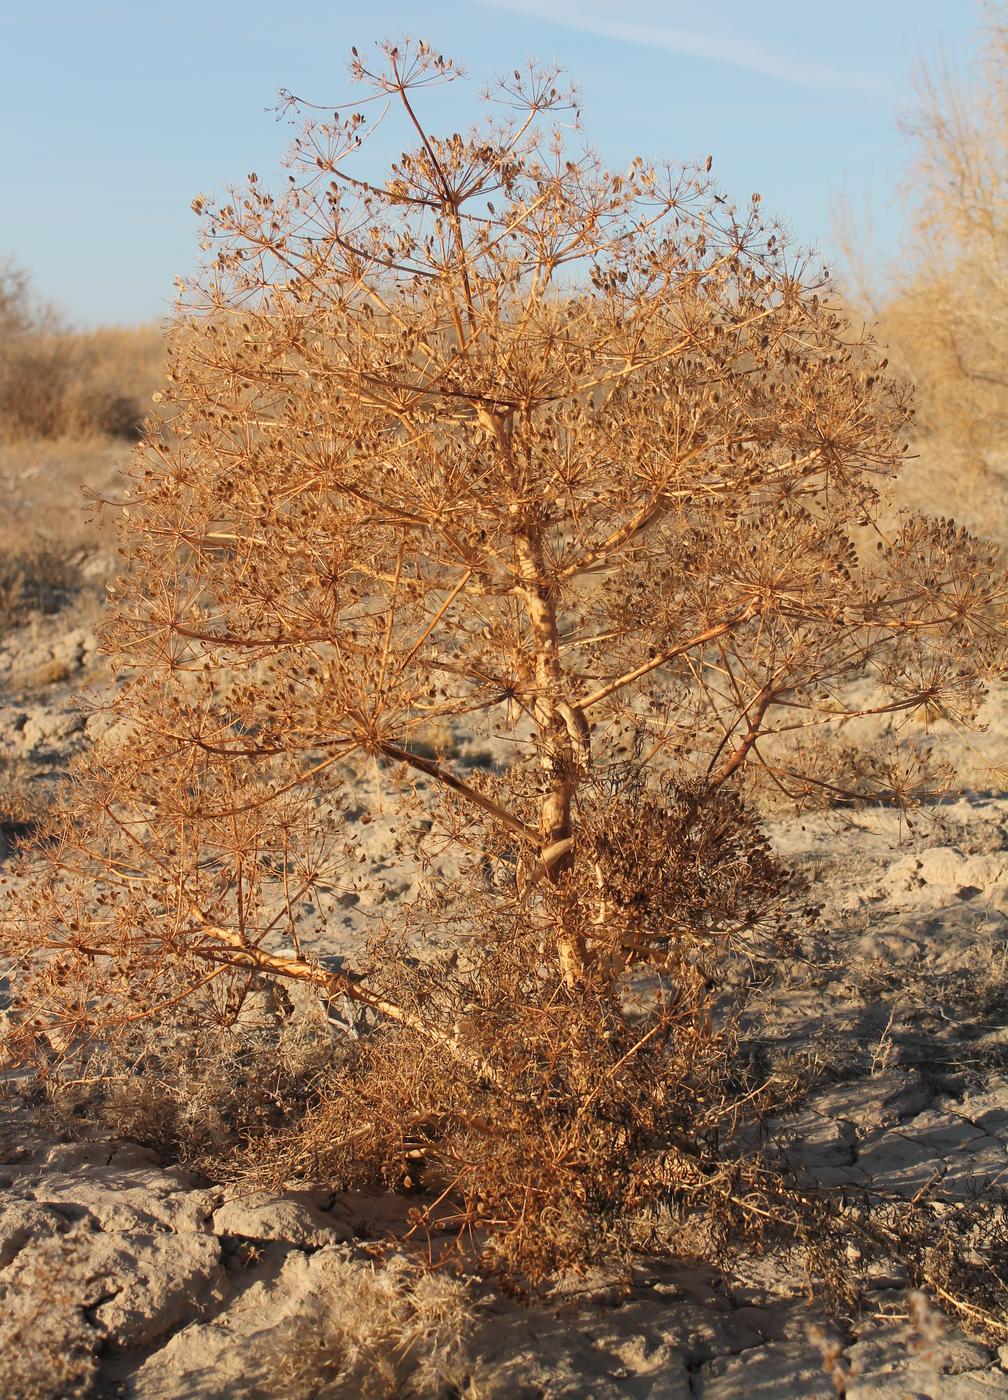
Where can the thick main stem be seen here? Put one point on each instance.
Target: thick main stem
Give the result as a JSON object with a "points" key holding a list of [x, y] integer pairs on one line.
{"points": [[561, 732], [555, 738], [556, 749]]}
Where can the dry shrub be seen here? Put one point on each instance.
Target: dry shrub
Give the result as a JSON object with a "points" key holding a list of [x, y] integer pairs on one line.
{"points": [[956, 292], [56, 382], [376, 1330], [49, 673], [957, 1252], [627, 1096], [847, 1243], [117, 370], [35, 373], [200, 1100], [584, 465]]}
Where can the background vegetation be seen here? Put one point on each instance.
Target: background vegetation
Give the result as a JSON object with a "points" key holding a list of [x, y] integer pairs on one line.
{"points": [[943, 307]]}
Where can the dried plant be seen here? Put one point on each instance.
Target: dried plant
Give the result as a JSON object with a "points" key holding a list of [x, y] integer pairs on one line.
{"points": [[374, 1331], [23, 802], [585, 467], [47, 1345]]}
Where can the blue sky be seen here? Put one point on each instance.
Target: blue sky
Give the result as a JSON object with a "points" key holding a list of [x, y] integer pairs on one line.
{"points": [[116, 113]]}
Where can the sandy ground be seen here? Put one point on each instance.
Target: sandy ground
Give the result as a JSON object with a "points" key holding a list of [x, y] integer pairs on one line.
{"points": [[898, 1002]]}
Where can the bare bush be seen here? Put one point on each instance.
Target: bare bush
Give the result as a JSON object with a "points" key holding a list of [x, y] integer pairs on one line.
{"points": [[236, 1088], [957, 292], [586, 466]]}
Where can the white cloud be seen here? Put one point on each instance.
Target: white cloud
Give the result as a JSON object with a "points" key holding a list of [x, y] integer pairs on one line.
{"points": [[647, 25]]}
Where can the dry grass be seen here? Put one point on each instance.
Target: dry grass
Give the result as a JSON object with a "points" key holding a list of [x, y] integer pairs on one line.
{"points": [[44, 486], [116, 371], [71, 405], [49, 673], [202, 1108], [47, 1348], [374, 1330]]}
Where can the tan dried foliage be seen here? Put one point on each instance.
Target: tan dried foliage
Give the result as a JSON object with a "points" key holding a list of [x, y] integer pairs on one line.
{"points": [[585, 467], [24, 801]]}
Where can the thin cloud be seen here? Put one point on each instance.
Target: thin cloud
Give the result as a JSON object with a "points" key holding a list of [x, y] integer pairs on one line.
{"points": [[736, 50]]}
